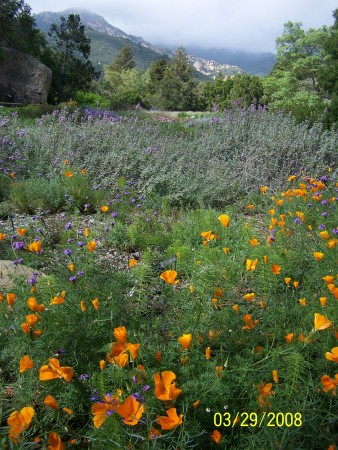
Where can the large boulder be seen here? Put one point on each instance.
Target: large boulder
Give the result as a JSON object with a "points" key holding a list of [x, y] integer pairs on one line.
{"points": [[23, 79]]}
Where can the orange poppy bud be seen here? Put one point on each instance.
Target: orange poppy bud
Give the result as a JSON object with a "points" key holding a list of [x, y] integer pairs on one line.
{"points": [[51, 402], [102, 364], [96, 303], [323, 301], [158, 356], [91, 246], [208, 353], [275, 376]]}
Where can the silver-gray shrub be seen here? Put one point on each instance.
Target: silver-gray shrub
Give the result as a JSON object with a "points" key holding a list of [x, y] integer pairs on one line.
{"points": [[210, 162]]}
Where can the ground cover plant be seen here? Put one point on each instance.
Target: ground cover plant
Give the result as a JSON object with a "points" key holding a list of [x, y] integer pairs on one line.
{"points": [[185, 293]]}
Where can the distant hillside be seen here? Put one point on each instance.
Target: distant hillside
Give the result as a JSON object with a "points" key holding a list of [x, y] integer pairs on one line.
{"points": [[106, 40], [252, 63]]}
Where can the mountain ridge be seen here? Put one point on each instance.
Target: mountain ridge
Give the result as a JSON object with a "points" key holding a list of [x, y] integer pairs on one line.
{"points": [[107, 40]]}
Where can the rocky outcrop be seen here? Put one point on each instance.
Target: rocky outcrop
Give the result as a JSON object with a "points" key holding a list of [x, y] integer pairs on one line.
{"points": [[23, 79]]}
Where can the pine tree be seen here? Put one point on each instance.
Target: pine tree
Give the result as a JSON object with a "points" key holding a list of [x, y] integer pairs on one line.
{"points": [[124, 60]]}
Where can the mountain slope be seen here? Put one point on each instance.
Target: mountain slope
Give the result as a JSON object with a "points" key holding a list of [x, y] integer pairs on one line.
{"points": [[106, 40]]}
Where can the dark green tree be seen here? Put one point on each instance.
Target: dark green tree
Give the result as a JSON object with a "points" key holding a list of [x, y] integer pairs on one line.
{"points": [[124, 60], [328, 78], [17, 29], [176, 88], [294, 83], [247, 89], [157, 71], [180, 65], [69, 62]]}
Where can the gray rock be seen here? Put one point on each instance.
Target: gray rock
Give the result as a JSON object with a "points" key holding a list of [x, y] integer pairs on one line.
{"points": [[23, 79]]}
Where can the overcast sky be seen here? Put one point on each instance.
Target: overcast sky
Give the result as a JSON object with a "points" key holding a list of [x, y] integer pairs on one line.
{"points": [[251, 25]]}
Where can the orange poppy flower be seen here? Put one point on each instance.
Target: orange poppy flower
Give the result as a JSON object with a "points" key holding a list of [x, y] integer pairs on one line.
{"points": [[91, 246], [219, 371], [25, 328], [323, 301], [302, 301], [25, 363], [208, 353], [120, 334], [275, 268], [236, 308], [104, 208], [68, 174], [169, 276], [295, 284], [249, 296], [171, 421], [287, 280], [216, 436], [2, 236], [54, 370], [196, 404], [132, 262], [265, 392], [121, 353], [251, 207], [51, 402], [329, 384], [153, 434], [21, 231], [333, 355], [103, 410], [318, 256], [224, 219], [251, 265], [324, 235], [208, 235], [19, 421], [32, 304], [31, 320], [67, 410], [58, 300], [10, 298], [253, 242], [185, 341], [71, 267], [131, 411], [35, 247], [289, 337], [250, 324], [226, 250], [321, 322], [329, 279], [165, 388], [54, 442]]}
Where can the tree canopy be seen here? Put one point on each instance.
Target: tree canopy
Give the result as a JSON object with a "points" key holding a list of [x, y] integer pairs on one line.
{"points": [[69, 62], [17, 28]]}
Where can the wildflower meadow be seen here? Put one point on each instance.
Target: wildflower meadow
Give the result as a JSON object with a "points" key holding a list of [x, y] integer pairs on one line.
{"points": [[183, 284]]}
